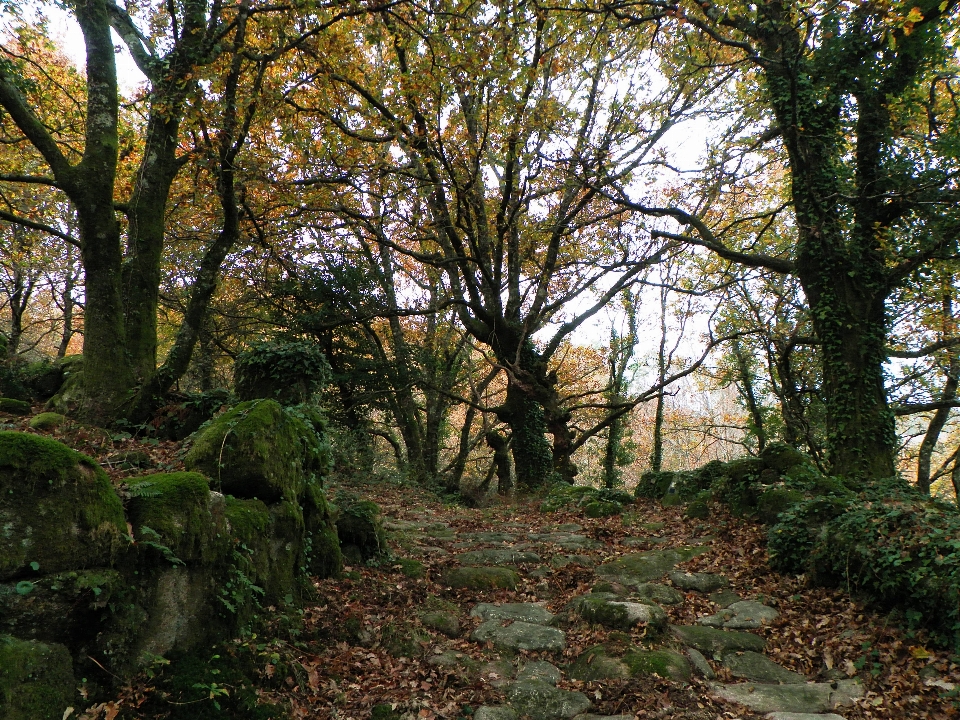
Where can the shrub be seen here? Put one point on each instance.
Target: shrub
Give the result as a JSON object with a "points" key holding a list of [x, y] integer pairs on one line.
{"points": [[288, 372]]}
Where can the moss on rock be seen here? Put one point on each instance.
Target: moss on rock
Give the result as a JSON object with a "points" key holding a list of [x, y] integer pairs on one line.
{"points": [[47, 421], [482, 578], [668, 664], [57, 508], [360, 527], [774, 501], [174, 506], [260, 450], [36, 680], [14, 407]]}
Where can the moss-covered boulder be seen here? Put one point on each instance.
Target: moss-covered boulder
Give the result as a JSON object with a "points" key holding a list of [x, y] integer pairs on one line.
{"points": [[482, 578], [360, 528], [47, 421], [607, 662], [262, 450], [67, 608], [70, 392], [14, 406], [173, 510], [58, 510], [774, 501], [610, 611], [781, 457], [637, 568], [36, 680]]}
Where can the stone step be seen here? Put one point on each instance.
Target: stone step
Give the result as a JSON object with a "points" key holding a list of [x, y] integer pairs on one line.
{"points": [[809, 698], [521, 636]]}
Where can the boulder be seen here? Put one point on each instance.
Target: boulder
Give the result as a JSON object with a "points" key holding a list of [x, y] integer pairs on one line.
{"points": [[607, 662], [58, 510], [542, 701], [759, 668], [259, 449], [540, 670], [360, 528], [36, 680], [807, 698], [701, 582], [482, 578], [637, 568], [527, 612], [717, 642], [521, 636], [47, 421], [607, 610]]}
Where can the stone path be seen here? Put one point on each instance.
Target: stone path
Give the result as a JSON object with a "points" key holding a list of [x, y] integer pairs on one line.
{"points": [[627, 601]]}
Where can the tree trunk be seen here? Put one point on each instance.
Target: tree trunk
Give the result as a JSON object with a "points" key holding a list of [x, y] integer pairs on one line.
{"points": [[67, 304], [532, 457], [747, 391]]}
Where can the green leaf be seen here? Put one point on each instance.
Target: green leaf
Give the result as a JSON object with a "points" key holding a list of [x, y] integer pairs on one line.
{"points": [[24, 587], [34, 566]]}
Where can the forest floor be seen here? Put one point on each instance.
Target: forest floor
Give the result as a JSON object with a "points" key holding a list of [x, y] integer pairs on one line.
{"points": [[363, 643]]}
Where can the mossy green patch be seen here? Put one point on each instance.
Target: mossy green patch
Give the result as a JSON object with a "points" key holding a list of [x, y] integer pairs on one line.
{"points": [[175, 507], [597, 664], [482, 578], [260, 450], [14, 407], [57, 508], [647, 566], [602, 508], [359, 525], [774, 501], [668, 664], [411, 568], [47, 421], [36, 680]]}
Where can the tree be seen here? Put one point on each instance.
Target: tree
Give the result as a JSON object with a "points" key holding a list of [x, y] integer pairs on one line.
{"points": [[853, 97], [495, 125]]}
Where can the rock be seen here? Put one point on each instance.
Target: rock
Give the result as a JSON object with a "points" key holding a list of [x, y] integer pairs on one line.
{"points": [[668, 664], [660, 594], [527, 612], [539, 670], [360, 528], [637, 568], [541, 701], [497, 556], [490, 537], [482, 578], [569, 527], [259, 449], [603, 662], [456, 662], [561, 561], [521, 636], [498, 672], [697, 510], [724, 598], [597, 664], [444, 622], [591, 716], [602, 508], [717, 642], [749, 611], [808, 698], [759, 668], [47, 421], [605, 609], [495, 713], [802, 716], [701, 582], [774, 501], [700, 663], [36, 680], [58, 510], [173, 510], [14, 407]]}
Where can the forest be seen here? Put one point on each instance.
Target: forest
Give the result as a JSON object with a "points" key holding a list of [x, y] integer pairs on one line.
{"points": [[625, 263]]}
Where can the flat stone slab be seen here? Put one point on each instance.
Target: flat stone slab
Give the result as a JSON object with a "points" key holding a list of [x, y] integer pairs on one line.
{"points": [[660, 594], [542, 701], [497, 556], [701, 582], [717, 642], [490, 537], [608, 610], [482, 578], [808, 698], [591, 716], [527, 612], [742, 615], [566, 540], [521, 636], [638, 568], [802, 716], [759, 668], [724, 598], [700, 663], [539, 670], [561, 561], [607, 663]]}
